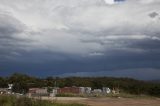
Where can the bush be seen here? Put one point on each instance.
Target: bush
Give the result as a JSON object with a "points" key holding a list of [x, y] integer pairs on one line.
{"points": [[155, 91], [66, 95]]}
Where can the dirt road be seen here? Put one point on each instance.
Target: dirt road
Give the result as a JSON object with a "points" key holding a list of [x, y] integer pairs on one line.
{"points": [[108, 101], [123, 102]]}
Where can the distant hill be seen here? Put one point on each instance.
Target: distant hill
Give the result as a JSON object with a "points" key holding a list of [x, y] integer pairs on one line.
{"points": [[155, 81], [21, 83]]}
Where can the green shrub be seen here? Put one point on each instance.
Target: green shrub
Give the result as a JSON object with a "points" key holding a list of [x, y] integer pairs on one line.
{"points": [[66, 95]]}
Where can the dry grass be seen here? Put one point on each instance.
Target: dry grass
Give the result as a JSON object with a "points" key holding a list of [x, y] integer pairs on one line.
{"points": [[8, 100]]}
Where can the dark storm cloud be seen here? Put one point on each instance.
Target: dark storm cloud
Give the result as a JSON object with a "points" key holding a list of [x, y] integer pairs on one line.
{"points": [[11, 44], [148, 45], [83, 36], [9, 26]]}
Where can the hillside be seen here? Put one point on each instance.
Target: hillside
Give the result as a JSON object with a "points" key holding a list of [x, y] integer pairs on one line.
{"points": [[126, 85]]}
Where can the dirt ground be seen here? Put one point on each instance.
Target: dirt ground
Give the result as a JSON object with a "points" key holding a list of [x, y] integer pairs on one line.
{"points": [[108, 101], [123, 102]]}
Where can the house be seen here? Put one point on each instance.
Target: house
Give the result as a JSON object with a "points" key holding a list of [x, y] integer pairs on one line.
{"points": [[96, 91], [37, 92], [85, 90], [54, 92], [74, 90], [106, 90]]}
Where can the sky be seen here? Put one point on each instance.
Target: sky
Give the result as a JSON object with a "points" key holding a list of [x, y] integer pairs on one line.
{"points": [[80, 38]]}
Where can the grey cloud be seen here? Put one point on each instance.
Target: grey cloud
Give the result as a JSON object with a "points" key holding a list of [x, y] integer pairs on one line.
{"points": [[82, 35], [76, 20], [11, 41], [153, 14], [9, 26]]}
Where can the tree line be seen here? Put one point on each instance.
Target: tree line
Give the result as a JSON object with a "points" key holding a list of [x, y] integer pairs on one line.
{"points": [[23, 82]]}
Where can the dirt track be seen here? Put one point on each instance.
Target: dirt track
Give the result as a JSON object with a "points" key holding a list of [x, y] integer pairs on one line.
{"points": [[123, 102], [109, 101]]}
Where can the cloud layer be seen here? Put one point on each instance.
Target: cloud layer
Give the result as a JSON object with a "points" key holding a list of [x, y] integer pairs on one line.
{"points": [[80, 35]]}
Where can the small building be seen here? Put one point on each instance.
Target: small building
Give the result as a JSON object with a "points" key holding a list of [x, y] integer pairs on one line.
{"points": [[74, 90], [82, 90], [85, 90], [106, 90], [37, 92], [54, 92], [88, 90], [3, 91], [6, 90], [97, 91]]}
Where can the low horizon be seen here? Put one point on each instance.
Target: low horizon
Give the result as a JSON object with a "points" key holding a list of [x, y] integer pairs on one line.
{"points": [[70, 76]]}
